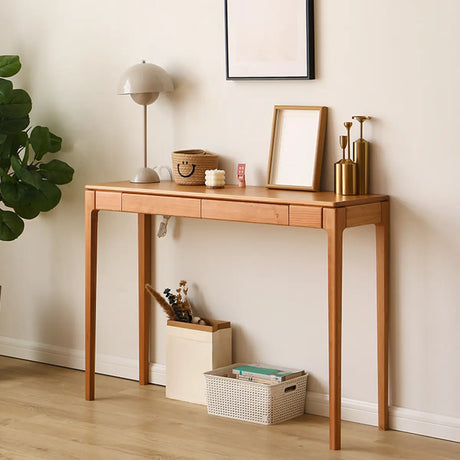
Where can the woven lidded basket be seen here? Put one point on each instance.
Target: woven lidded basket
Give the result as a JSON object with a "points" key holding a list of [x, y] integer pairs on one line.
{"points": [[189, 166]]}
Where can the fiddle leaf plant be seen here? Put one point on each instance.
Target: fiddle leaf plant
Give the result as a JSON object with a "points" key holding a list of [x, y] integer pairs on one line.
{"points": [[28, 185]]}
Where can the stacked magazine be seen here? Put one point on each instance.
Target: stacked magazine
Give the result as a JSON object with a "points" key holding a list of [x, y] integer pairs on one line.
{"points": [[261, 373]]}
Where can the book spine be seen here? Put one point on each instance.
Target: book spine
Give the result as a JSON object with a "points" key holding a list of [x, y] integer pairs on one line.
{"points": [[272, 378], [256, 380]]}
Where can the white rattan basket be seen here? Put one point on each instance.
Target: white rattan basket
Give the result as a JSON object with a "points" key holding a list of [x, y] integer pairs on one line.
{"points": [[230, 397]]}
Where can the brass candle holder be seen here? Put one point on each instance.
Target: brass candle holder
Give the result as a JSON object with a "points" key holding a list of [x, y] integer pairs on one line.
{"points": [[349, 168], [361, 156], [343, 141]]}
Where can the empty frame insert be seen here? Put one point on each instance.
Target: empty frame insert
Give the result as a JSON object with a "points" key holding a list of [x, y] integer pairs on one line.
{"points": [[296, 148]]}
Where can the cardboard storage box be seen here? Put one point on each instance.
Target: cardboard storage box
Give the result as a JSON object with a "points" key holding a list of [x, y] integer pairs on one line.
{"points": [[193, 349]]}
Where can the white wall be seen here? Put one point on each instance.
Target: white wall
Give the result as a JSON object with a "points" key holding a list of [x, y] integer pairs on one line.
{"points": [[396, 61]]}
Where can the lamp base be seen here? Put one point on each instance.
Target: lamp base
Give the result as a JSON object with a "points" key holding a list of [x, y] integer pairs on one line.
{"points": [[145, 176]]}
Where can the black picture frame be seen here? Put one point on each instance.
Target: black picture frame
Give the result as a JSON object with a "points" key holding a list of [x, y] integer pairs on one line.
{"points": [[249, 39]]}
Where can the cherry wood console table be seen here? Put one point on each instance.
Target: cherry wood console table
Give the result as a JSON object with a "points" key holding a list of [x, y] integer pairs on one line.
{"points": [[322, 210]]}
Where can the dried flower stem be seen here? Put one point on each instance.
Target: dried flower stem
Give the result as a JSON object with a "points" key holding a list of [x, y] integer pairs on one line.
{"points": [[163, 303]]}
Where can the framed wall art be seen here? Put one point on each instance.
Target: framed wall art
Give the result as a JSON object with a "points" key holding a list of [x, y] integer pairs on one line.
{"points": [[296, 147], [269, 39]]}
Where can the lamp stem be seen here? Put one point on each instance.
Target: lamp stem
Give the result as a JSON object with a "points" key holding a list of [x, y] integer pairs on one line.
{"points": [[145, 136]]}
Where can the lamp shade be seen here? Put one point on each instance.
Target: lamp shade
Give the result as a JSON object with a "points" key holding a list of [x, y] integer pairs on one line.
{"points": [[145, 80]]}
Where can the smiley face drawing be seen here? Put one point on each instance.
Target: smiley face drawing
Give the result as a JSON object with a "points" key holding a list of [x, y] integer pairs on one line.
{"points": [[187, 168]]}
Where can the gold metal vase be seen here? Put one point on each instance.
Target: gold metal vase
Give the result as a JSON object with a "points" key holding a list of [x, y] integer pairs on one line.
{"points": [[349, 176]]}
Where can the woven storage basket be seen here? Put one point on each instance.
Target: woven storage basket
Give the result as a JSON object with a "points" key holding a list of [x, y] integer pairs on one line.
{"points": [[189, 166], [230, 397]]}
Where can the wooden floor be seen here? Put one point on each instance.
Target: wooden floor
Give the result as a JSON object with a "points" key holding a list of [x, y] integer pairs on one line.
{"points": [[43, 415]]}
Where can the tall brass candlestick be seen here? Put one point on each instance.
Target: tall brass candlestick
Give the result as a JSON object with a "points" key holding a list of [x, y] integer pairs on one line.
{"points": [[349, 168], [361, 156]]}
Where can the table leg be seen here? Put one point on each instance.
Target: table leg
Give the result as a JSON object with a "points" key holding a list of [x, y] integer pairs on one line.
{"points": [[91, 215], [144, 259], [334, 224], [382, 244]]}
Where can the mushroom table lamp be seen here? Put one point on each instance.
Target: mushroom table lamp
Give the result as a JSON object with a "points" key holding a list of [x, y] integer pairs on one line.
{"points": [[144, 82]]}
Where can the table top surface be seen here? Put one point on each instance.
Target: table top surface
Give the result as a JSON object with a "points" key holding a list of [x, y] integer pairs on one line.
{"points": [[258, 194]]}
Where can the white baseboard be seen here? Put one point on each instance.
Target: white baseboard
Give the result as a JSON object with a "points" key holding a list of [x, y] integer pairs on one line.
{"points": [[352, 410], [75, 359], [42, 353], [400, 419], [158, 374], [425, 424]]}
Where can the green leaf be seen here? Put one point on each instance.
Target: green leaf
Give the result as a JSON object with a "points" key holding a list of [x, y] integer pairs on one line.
{"points": [[40, 140], [25, 159], [11, 225], [6, 90], [26, 175], [55, 143], [21, 197], [9, 65], [5, 152], [43, 141], [13, 191], [5, 146], [14, 126], [19, 105], [10, 193], [28, 201], [12, 144], [27, 211], [5, 163], [57, 172], [48, 197], [18, 141]]}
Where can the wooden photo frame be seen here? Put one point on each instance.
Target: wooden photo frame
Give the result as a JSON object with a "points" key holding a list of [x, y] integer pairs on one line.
{"points": [[269, 39], [296, 147]]}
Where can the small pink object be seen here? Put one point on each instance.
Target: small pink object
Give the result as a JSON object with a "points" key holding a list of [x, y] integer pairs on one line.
{"points": [[241, 174]]}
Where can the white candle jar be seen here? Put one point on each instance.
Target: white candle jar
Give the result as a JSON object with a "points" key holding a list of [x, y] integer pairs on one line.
{"points": [[215, 178]]}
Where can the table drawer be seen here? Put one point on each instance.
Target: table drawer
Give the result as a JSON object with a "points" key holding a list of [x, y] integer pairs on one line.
{"points": [[168, 205], [305, 216], [108, 201], [259, 213]]}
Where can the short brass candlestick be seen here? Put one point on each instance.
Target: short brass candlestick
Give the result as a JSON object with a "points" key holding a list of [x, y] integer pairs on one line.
{"points": [[361, 156], [348, 125], [343, 141], [349, 168]]}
